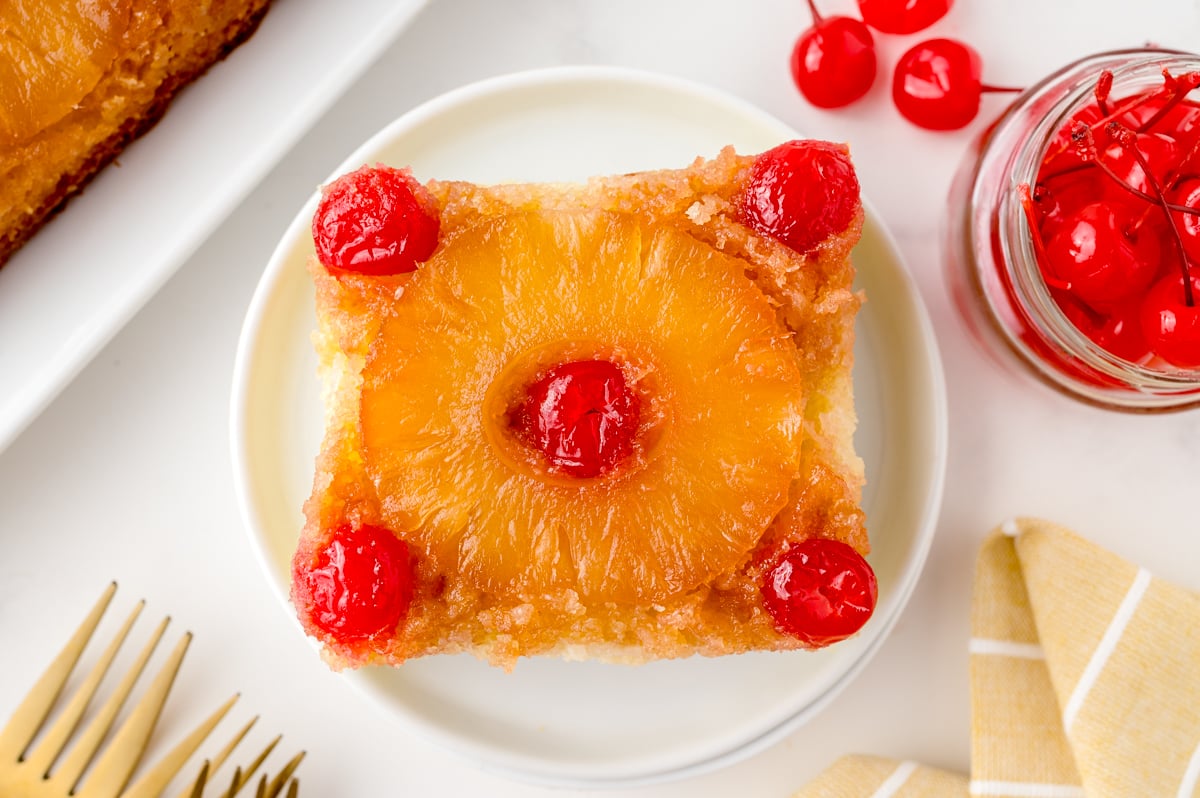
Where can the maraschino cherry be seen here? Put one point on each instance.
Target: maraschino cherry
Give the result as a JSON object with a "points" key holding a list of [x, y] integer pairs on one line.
{"points": [[820, 591], [1188, 193], [833, 61], [583, 417], [902, 16], [1119, 331], [1170, 323], [1159, 148], [376, 220], [800, 192], [1096, 261], [359, 586], [937, 84]]}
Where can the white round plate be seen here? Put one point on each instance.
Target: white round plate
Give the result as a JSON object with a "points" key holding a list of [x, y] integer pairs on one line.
{"points": [[591, 724]]}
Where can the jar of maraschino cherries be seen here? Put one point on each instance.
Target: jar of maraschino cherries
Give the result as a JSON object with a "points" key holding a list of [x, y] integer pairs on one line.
{"points": [[1074, 230]]}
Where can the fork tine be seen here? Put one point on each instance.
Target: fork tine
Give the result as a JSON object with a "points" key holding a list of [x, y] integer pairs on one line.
{"points": [[249, 771], [33, 711], [214, 764], [235, 785], [156, 780], [243, 775], [116, 765], [293, 788], [197, 788], [225, 752], [67, 773], [281, 778], [51, 747]]}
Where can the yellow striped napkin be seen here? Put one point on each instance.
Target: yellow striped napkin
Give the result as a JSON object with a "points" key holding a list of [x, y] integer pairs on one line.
{"points": [[873, 777], [1085, 681]]}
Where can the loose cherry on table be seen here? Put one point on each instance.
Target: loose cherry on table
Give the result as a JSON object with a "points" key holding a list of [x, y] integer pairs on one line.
{"points": [[902, 16], [820, 591], [833, 61], [937, 84], [376, 220], [1115, 222]]}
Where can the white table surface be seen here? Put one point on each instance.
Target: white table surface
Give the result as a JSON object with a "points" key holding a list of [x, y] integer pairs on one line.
{"points": [[126, 475]]}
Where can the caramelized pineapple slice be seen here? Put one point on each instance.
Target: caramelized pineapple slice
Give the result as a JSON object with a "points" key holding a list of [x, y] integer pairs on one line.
{"points": [[503, 302], [52, 53]]}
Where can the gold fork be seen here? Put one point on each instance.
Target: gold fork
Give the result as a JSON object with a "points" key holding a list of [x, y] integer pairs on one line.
{"points": [[272, 788], [266, 788], [32, 768]]}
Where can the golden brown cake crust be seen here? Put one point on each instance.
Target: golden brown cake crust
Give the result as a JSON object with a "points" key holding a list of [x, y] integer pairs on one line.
{"points": [[811, 295], [167, 45]]}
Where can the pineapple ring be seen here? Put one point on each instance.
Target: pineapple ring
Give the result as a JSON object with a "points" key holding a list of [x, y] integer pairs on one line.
{"points": [[726, 408], [52, 53]]}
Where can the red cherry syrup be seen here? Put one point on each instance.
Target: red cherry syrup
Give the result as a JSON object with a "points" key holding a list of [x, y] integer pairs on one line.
{"points": [[820, 591], [800, 193], [582, 416], [360, 584], [1115, 220], [377, 220]]}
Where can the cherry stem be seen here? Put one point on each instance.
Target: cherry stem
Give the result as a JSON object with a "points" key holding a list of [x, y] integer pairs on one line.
{"points": [[816, 15], [1171, 181], [1180, 87], [1025, 193], [1100, 123], [1000, 89], [1132, 105], [1066, 170], [1086, 149], [1081, 137], [1103, 89], [1180, 170], [1079, 167], [1128, 139]]}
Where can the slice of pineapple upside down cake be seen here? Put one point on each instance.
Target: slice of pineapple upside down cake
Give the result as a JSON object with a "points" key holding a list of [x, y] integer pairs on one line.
{"points": [[611, 420]]}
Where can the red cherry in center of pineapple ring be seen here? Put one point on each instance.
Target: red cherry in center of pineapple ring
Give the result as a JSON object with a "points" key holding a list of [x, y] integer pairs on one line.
{"points": [[360, 584], [376, 220], [582, 416], [800, 193], [820, 591]]}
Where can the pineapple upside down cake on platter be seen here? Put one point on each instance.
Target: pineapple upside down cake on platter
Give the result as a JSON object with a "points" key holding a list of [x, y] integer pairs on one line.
{"points": [[81, 79], [610, 420]]}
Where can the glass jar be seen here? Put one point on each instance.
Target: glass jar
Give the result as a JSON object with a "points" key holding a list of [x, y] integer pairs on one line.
{"points": [[994, 273]]}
